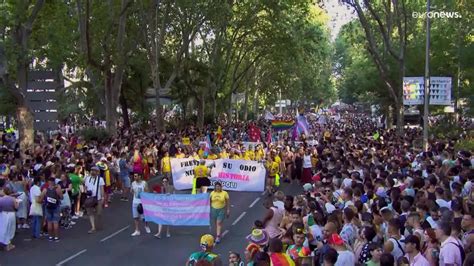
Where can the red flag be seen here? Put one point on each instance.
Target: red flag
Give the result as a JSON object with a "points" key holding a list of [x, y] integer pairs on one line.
{"points": [[254, 133]]}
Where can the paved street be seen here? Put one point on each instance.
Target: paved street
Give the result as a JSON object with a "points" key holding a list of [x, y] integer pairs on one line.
{"points": [[114, 246]]}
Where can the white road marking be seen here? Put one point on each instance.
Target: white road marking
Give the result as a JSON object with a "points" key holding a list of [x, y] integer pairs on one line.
{"points": [[116, 233], [254, 202], [238, 218], [70, 258], [225, 233]]}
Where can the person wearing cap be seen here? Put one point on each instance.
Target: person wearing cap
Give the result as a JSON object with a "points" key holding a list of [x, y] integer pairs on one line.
{"points": [[206, 254], [258, 237], [250, 253], [299, 251], [104, 172], [413, 254], [201, 177], [94, 185], [345, 257]]}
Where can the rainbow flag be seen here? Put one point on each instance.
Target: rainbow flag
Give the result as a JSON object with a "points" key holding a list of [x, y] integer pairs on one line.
{"points": [[282, 124], [281, 259]]}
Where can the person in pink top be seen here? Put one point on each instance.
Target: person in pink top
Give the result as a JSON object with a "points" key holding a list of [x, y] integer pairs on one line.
{"points": [[450, 253], [413, 254]]}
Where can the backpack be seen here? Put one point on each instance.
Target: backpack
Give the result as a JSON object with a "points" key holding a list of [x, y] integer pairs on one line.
{"points": [[461, 250], [52, 199]]}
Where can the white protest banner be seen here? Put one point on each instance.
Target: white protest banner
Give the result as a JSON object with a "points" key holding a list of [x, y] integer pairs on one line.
{"points": [[182, 171], [239, 175], [235, 175]]}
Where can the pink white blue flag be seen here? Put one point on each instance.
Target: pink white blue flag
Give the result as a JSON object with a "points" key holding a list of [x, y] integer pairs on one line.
{"points": [[176, 209]]}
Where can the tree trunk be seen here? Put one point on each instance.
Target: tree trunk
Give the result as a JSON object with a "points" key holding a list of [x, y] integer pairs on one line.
{"points": [[246, 102], [389, 123], [159, 111], [255, 104], [213, 99], [25, 128], [400, 118], [110, 106], [125, 116], [200, 112]]}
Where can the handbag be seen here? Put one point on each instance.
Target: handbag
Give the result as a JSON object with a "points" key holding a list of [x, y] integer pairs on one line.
{"points": [[92, 202], [66, 201], [140, 208], [36, 209]]}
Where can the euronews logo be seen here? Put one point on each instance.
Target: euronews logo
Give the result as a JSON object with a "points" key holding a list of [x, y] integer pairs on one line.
{"points": [[437, 14]]}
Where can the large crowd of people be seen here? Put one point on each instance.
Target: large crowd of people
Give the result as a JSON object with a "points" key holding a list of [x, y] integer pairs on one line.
{"points": [[369, 196]]}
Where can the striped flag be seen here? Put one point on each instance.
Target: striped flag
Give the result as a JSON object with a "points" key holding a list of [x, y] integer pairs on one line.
{"points": [[176, 209]]}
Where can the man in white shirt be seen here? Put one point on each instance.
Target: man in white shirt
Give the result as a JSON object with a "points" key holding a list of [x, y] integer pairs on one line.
{"points": [[413, 254], [450, 253], [36, 211], [94, 188]]}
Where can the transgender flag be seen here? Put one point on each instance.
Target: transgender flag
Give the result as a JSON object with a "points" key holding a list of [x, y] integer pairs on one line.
{"points": [[302, 125], [176, 209]]}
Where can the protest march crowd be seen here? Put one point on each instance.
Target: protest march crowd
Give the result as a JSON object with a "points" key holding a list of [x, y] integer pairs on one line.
{"points": [[368, 197]]}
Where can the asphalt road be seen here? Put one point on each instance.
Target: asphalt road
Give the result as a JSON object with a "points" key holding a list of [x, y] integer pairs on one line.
{"points": [[113, 245]]}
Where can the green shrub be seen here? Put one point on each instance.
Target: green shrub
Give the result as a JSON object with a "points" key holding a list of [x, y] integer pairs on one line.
{"points": [[93, 133], [465, 144]]}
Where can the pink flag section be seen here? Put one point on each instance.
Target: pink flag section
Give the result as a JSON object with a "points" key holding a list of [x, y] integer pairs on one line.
{"points": [[176, 209]]}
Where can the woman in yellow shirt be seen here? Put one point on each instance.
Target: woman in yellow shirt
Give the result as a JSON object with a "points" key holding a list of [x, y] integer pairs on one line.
{"points": [[272, 170], [166, 165], [220, 208], [180, 154]]}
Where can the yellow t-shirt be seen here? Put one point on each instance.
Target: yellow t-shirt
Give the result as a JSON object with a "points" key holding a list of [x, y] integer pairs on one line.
{"points": [[273, 168], [180, 155], [201, 153], [259, 155], [235, 157], [314, 160], [166, 164], [277, 159], [200, 171], [218, 199], [224, 155], [212, 157], [250, 155]]}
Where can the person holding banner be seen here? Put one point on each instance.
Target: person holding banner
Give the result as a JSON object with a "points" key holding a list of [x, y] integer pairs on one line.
{"points": [[165, 188], [138, 186], [220, 208], [201, 177]]}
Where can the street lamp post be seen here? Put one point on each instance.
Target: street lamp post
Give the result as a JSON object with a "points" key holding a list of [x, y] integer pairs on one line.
{"points": [[427, 80]]}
